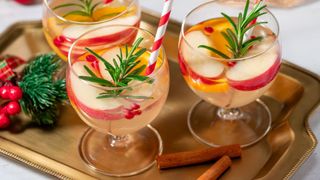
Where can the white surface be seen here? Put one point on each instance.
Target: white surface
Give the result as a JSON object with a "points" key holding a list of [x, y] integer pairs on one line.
{"points": [[300, 36]]}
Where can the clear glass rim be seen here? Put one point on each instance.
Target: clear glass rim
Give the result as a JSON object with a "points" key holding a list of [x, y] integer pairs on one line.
{"points": [[232, 59], [152, 75], [87, 23]]}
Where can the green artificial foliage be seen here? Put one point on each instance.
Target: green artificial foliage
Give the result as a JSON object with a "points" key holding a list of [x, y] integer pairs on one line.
{"points": [[42, 91]]}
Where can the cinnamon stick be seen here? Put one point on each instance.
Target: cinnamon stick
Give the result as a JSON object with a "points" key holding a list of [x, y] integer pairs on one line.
{"points": [[217, 169], [195, 157]]}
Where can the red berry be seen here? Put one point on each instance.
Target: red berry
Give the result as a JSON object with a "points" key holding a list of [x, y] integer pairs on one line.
{"points": [[4, 121], [129, 115], [13, 108], [208, 29], [135, 106], [138, 112], [3, 110], [15, 93], [4, 92]]}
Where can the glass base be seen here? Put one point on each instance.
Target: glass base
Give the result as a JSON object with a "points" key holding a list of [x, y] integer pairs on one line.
{"points": [[120, 156], [217, 127]]}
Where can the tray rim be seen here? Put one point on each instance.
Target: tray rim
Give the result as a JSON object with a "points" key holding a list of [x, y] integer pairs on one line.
{"points": [[36, 166], [309, 131], [174, 26]]}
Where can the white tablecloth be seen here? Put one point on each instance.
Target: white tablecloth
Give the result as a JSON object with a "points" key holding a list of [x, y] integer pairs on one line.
{"points": [[300, 34]]}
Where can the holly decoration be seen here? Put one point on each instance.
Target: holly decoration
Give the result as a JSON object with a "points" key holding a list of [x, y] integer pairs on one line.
{"points": [[12, 107], [38, 92], [42, 92]]}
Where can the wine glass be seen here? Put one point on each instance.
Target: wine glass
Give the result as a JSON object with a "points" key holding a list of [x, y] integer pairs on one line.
{"points": [[229, 112], [119, 105], [65, 20]]}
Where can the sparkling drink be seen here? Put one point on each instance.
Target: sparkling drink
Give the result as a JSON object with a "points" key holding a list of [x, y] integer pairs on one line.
{"points": [[108, 88], [118, 116], [65, 20], [228, 84], [229, 55]]}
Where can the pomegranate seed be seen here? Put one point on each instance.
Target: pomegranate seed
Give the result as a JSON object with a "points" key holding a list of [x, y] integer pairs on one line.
{"points": [[251, 37], [232, 63], [63, 39], [91, 58], [208, 29], [108, 1], [138, 112], [57, 42], [252, 22], [135, 106], [95, 65], [26, 2], [129, 115]]}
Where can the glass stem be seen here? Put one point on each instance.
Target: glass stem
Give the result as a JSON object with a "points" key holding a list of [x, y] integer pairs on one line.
{"points": [[118, 141], [230, 113]]}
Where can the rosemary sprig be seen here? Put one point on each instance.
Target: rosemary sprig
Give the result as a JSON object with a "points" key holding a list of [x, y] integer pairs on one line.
{"points": [[235, 36], [122, 72], [86, 8]]}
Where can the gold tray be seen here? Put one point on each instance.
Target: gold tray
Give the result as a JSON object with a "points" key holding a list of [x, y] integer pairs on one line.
{"points": [[291, 100]]}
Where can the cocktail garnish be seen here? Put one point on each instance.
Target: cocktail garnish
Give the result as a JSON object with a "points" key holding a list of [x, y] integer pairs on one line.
{"points": [[86, 8], [122, 72], [235, 37]]}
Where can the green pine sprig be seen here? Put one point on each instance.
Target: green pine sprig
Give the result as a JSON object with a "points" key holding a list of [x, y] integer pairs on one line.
{"points": [[86, 7], [122, 71], [42, 92], [235, 36]]}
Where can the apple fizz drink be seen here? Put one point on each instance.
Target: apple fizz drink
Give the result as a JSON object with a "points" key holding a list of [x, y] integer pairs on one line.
{"points": [[110, 92], [223, 82], [65, 20]]}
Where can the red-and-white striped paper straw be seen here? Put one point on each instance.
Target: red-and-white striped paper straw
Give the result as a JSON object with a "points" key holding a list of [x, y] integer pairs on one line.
{"points": [[166, 11]]}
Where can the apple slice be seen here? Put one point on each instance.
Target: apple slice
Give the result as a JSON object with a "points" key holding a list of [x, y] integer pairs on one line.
{"points": [[254, 73], [103, 35], [109, 55], [85, 96], [202, 67], [142, 89]]}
